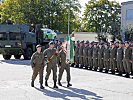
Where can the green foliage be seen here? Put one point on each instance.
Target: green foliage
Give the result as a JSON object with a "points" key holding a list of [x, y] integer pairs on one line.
{"points": [[102, 16], [50, 13]]}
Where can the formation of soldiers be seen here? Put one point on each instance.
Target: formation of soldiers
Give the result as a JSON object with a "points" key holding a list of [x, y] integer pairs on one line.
{"points": [[54, 56], [114, 57]]}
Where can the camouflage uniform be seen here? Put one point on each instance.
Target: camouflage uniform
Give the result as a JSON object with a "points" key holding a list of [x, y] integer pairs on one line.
{"points": [[52, 65], [113, 54], [95, 58], [76, 56], [85, 57], [81, 55], [106, 58], [64, 66], [126, 60], [120, 60], [37, 66], [90, 60], [100, 58]]}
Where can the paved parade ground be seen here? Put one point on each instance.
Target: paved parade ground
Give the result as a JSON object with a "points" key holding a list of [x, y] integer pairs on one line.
{"points": [[15, 78]]}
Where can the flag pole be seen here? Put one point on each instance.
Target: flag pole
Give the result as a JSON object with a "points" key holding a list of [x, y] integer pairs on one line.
{"points": [[68, 18]]}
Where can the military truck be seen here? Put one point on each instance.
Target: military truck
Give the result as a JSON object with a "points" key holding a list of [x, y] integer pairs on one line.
{"points": [[20, 40]]}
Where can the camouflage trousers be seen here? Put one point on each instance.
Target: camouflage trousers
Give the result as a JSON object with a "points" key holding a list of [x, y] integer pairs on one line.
{"points": [[100, 63], [113, 64], [106, 64], [81, 60], [120, 66], [52, 67], [95, 63], [127, 65], [85, 60], [61, 70], [76, 60], [90, 62], [38, 70]]}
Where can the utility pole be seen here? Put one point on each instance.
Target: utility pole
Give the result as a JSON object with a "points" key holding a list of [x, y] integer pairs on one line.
{"points": [[68, 17]]}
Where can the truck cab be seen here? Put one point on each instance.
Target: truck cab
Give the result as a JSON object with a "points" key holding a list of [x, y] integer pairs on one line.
{"points": [[17, 40]]}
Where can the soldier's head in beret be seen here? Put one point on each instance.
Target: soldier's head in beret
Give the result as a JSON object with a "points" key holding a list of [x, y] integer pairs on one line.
{"points": [[121, 44], [51, 44], [39, 48], [126, 43]]}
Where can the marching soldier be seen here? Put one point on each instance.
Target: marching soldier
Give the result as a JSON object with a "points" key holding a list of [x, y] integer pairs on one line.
{"points": [[95, 57], [76, 53], [85, 53], [113, 53], [100, 57], [81, 54], [127, 59], [64, 66], [120, 59], [106, 57], [90, 60], [51, 54], [37, 66]]}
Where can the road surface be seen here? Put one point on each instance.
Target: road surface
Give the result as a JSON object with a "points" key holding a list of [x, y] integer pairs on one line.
{"points": [[15, 78]]}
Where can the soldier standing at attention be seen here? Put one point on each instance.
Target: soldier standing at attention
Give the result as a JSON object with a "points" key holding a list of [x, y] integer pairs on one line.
{"points": [[37, 64], [81, 54], [90, 60], [64, 66], [120, 59], [85, 53], [95, 57], [113, 54], [76, 55], [127, 59], [100, 57], [106, 57], [51, 54]]}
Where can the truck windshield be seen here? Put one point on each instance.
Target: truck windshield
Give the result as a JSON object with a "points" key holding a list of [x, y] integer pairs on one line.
{"points": [[3, 36], [14, 36]]}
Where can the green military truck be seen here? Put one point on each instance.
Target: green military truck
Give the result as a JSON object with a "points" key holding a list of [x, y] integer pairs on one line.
{"points": [[19, 40]]}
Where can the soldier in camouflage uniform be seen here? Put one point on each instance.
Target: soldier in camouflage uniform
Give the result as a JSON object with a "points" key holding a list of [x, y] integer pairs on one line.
{"points": [[85, 55], [37, 66], [81, 54], [127, 59], [95, 57], [113, 54], [106, 57], [100, 57], [64, 66], [76, 55], [120, 59], [90, 60], [51, 54]]}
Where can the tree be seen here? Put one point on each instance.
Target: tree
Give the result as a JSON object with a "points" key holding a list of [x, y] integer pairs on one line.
{"points": [[102, 16], [52, 14]]}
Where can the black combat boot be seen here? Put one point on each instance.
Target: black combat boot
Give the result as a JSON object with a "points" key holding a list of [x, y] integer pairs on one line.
{"points": [[68, 85], [55, 86], [46, 83], [59, 83], [127, 75], [32, 84], [41, 86]]}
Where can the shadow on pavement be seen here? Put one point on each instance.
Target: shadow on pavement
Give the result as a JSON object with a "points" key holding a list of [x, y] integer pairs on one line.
{"points": [[72, 92], [17, 62]]}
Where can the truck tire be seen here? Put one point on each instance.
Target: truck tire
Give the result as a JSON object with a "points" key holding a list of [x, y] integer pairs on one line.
{"points": [[6, 57], [28, 54], [17, 56]]}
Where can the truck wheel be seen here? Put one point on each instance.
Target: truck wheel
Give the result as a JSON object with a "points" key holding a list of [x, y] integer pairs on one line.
{"points": [[6, 57], [17, 56], [28, 54]]}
